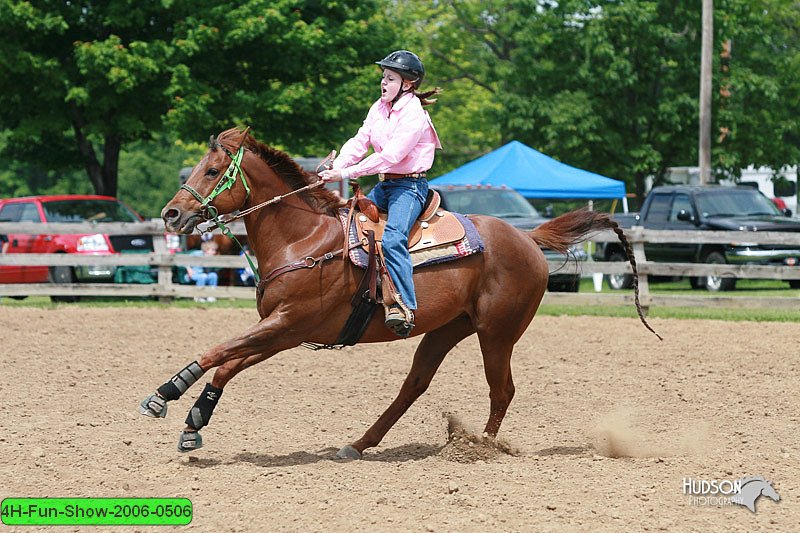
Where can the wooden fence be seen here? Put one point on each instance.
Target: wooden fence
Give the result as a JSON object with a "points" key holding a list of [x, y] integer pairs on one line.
{"points": [[165, 288]]}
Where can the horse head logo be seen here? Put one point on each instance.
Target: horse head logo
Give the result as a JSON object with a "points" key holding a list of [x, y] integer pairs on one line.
{"points": [[752, 488]]}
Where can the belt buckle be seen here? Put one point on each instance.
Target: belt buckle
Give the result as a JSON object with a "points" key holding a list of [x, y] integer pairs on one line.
{"points": [[382, 176]]}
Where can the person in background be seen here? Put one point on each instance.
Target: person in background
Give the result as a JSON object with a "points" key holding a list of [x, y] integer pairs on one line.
{"points": [[779, 203], [246, 275], [204, 276]]}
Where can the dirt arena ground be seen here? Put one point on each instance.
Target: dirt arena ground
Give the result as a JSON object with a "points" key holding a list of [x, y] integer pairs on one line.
{"points": [[606, 424]]}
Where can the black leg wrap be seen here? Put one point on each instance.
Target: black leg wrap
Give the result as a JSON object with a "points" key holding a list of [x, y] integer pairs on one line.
{"points": [[172, 389], [203, 408], [169, 391]]}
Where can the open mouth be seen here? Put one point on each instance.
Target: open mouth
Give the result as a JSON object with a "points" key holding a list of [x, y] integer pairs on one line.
{"points": [[190, 224]]}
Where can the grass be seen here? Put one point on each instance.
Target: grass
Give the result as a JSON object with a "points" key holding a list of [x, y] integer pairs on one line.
{"points": [[108, 301], [744, 287], [760, 288], [730, 314]]}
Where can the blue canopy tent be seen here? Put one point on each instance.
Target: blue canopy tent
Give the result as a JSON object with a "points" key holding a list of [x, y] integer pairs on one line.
{"points": [[533, 174]]}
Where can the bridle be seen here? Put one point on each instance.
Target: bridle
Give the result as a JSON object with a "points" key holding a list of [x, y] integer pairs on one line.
{"points": [[228, 179], [208, 211]]}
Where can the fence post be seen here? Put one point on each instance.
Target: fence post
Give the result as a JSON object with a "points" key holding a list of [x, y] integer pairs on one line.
{"points": [[164, 270]]}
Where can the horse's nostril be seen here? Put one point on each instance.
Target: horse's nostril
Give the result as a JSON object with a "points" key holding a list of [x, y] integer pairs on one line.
{"points": [[170, 214]]}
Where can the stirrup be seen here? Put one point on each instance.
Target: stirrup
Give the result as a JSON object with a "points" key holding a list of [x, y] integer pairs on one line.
{"points": [[396, 321], [394, 316]]}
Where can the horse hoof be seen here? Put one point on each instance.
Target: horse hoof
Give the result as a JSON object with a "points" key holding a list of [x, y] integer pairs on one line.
{"points": [[348, 452], [190, 441], [153, 406]]}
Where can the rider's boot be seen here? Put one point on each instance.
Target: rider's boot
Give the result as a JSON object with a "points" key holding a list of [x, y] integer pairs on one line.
{"points": [[397, 321]]}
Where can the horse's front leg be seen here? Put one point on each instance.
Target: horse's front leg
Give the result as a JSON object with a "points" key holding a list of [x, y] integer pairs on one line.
{"points": [[256, 344], [200, 413]]}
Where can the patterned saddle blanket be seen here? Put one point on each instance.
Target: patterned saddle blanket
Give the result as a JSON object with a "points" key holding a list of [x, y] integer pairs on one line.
{"points": [[443, 237]]}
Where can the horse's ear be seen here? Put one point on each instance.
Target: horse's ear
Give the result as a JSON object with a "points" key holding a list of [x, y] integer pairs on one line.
{"points": [[244, 137], [212, 142]]}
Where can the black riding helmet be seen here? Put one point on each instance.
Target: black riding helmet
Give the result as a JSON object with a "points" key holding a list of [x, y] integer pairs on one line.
{"points": [[407, 64]]}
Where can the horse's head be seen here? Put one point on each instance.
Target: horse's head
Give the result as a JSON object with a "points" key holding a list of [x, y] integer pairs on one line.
{"points": [[769, 491], [216, 186]]}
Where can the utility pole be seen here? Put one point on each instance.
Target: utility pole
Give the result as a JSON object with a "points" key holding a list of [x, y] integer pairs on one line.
{"points": [[707, 46]]}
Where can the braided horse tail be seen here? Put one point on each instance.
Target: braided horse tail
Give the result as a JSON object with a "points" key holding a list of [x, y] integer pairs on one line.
{"points": [[574, 227]]}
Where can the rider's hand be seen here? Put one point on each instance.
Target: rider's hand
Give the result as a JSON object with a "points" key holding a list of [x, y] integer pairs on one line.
{"points": [[331, 175]]}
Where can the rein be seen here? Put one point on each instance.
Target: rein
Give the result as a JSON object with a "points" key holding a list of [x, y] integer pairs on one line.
{"points": [[275, 200], [209, 212]]}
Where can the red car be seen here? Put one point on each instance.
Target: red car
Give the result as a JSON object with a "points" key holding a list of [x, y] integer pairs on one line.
{"points": [[68, 208]]}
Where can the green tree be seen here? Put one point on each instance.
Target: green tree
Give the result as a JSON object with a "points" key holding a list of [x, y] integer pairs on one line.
{"points": [[148, 172], [84, 79], [757, 107], [612, 86], [605, 86], [300, 73], [81, 80]]}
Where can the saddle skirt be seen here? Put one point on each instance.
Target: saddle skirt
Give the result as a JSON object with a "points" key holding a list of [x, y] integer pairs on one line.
{"points": [[437, 236], [443, 228]]}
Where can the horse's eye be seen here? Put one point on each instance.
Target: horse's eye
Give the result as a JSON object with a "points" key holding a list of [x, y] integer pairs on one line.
{"points": [[212, 172]]}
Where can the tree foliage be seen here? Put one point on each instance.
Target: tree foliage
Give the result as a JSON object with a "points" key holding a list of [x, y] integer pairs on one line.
{"points": [[301, 73], [85, 79], [612, 86], [606, 85], [758, 102]]}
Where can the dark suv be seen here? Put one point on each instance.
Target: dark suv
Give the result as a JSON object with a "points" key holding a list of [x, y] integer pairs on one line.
{"points": [[707, 208], [511, 206]]}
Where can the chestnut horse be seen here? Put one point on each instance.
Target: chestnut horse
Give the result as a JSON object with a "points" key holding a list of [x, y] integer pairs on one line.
{"points": [[494, 294]]}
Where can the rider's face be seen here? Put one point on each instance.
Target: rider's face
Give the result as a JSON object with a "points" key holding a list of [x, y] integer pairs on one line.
{"points": [[391, 83]]}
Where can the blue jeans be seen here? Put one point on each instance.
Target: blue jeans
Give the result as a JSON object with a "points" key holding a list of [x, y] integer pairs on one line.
{"points": [[206, 278], [403, 199]]}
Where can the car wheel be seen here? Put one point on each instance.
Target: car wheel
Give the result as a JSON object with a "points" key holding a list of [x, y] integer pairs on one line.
{"points": [[716, 283], [62, 274], [794, 283], [619, 281]]}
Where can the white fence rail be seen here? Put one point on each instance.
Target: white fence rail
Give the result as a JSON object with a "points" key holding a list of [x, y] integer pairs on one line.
{"points": [[164, 261]]}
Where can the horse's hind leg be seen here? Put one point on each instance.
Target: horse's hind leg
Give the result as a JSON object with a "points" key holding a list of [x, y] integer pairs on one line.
{"points": [[501, 318], [429, 355], [497, 367]]}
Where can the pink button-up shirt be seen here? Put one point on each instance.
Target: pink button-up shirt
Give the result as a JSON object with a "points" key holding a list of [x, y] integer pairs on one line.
{"points": [[402, 136]]}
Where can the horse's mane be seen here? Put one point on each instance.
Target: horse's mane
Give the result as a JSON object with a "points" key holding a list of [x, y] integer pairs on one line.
{"points": [[320, 199]]}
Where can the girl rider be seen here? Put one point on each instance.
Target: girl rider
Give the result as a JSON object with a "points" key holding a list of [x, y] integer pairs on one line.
{"points": [[403, 138]]}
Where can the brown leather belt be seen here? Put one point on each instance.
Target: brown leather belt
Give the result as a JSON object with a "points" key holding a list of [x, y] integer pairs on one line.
{"points": [[415, 175]]}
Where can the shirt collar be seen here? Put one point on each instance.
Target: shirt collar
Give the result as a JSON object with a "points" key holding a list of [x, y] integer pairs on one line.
{"points": [[403, 101], [398, 105]]}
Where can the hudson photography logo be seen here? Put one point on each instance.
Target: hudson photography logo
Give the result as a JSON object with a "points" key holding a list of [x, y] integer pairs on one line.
{"points": [[744, 491]]}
